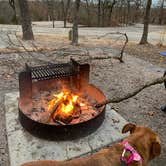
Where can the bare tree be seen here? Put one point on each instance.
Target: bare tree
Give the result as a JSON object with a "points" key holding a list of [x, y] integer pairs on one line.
{"points": [[99, 13], [75, 23], [137, 12], [146, 23], [104, 7], [65, 6], [88, 12], [25, 20], [14, 5], [128, 11], [111, 6], [161, 12], [51, 12]]}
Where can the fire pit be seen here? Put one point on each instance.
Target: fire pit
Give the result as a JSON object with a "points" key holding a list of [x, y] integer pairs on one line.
{"points": [[57, 102]]}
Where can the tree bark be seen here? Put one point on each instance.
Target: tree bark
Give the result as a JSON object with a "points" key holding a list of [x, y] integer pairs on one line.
{"points": [[144, 39], [75, 23], [25, 20], [161, 12]]}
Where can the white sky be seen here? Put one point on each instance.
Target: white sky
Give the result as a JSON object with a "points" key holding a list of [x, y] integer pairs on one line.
{"points": [[153, 1]]}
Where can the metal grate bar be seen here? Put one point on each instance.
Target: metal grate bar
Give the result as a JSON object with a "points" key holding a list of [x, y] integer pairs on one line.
{"points": [[51, 71]]}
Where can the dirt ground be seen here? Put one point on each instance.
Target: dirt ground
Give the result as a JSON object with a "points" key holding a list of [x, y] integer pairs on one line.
{"points": [[117, 80], [141, 64]]}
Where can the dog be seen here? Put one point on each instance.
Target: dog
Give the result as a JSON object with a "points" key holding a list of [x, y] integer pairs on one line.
{"points": [[141, 146]]}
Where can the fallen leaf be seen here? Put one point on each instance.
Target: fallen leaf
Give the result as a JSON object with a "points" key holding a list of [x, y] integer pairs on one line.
{"points": [[151, 113], [115, 121]]}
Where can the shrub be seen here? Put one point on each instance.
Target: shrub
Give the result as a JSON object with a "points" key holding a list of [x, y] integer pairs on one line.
{"points": [[2, 20]]}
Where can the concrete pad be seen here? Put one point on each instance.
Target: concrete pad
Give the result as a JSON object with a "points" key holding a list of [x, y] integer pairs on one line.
{"points": [[23, 147]]}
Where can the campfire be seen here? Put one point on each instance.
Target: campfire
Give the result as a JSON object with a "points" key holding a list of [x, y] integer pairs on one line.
{"points": [[62, 108], [57, 99]]}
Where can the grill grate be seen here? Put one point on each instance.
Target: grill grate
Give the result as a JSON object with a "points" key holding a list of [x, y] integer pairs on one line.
{"points": [[52, 71]]}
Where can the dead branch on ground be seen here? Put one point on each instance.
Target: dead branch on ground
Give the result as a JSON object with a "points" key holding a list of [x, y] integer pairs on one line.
{"points": [[124, 46], [60, 51], [135, 92]]}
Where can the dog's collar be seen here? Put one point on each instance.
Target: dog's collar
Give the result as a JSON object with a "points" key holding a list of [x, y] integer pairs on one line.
{"points": [[134, 156]]}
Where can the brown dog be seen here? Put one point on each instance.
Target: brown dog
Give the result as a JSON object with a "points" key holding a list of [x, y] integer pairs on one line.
{"points": [[143, 140]]}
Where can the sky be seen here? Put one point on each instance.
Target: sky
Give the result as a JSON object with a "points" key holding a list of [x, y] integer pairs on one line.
{"points": [[154, 1]]}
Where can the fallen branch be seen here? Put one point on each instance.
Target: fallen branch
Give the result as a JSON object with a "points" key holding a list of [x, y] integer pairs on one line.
{"points": [[131, 94], [124, 46]]}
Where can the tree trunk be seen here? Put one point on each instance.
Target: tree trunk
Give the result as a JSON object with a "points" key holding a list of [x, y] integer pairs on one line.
{"points": [[103, 9], [12, 4], [75, 23], [51, 6], [53, 13], [128, 12], [121, 12], [88, 12], [111, 10], [65, 11], [161, 12], [146, 23], [25, 20], [124, 13], [99, 13]]}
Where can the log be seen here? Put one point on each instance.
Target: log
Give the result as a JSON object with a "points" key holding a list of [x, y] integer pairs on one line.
{"points": [[47, 116], [55, 108], [131, 94]]}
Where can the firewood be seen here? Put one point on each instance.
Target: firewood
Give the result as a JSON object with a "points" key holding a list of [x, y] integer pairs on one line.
{"points": [[64, 119], [59, 122], [46, 116], [55, 108]]}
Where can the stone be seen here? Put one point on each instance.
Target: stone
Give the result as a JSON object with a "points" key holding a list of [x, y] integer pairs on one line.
{"points": [[23, 147]]}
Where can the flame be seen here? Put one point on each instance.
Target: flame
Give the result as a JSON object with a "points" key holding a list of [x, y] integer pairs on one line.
{"points": [[67, 105]]}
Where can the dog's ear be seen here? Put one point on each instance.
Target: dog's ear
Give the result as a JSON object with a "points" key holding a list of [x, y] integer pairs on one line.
{"points": [[156, 149], [129, 127]]}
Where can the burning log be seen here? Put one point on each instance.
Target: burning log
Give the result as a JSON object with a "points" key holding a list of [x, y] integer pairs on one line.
{"points": [[63, 108], [47, 116], [55, 108], [66, 118]]}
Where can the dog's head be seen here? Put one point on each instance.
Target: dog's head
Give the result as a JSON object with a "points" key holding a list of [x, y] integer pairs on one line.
{"points": [[146, 139]]}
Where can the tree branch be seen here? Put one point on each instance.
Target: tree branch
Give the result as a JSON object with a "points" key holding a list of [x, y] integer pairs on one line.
{"points": [[125, 43], [135, 92]]}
